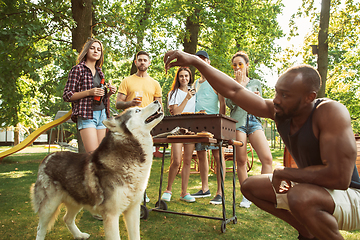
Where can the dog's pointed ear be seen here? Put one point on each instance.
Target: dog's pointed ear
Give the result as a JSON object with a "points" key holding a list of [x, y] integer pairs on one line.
{"points": [[110, 123]]}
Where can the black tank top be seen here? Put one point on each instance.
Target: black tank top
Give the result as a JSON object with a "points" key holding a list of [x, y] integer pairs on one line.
{"points": [[304, 146]]}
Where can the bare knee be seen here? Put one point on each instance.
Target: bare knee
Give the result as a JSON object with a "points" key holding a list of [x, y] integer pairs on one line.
{"points": [[299, 200], [241, 162], [187, 163], [267, 160], [246, 187], [175, 163]]}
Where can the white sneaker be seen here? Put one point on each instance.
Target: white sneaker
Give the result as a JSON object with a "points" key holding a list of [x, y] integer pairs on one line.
{"points": [[245, 203]]}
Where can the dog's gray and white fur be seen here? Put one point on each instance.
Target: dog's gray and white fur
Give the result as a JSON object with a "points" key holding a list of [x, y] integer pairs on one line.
{"points": [[109, 182]]}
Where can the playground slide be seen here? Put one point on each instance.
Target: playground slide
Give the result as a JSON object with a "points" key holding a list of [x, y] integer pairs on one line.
{"points": [[33, 136]]}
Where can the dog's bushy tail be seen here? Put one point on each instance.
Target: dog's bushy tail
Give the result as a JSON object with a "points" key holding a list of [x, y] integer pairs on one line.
{"points": [[43, 205]]}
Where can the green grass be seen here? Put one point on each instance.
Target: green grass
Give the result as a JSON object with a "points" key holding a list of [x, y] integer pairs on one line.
{"points": [[18, 221]]}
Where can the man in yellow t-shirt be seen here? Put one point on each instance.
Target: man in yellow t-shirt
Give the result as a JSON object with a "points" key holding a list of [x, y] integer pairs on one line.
{"points": [[139, 89]]}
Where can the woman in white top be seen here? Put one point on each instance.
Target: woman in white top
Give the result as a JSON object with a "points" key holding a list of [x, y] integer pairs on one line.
{"points": [[181, 99]]}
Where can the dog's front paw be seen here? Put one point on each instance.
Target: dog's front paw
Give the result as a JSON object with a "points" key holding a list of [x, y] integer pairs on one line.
{"points": [[82, 236]]}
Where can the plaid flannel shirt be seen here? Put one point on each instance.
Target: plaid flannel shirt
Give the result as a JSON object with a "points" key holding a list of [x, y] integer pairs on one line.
{"points": [[81, 79]]}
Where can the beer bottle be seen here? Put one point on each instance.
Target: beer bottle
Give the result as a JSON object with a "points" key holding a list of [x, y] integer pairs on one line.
{"points": [[98, 99]]}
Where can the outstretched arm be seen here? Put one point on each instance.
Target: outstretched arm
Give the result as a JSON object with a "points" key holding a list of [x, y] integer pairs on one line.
{"points": [[223, 84]]}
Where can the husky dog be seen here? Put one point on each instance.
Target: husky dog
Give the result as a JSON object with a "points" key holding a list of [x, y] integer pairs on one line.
{"points": [[109, 182]]}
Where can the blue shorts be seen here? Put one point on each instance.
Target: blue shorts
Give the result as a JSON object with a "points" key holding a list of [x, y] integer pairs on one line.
{"points": [[202, 147], [252, 124], [96, 122]]}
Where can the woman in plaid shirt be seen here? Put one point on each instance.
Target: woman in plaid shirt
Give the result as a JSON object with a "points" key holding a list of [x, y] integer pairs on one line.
{"points": [[81, 88]]}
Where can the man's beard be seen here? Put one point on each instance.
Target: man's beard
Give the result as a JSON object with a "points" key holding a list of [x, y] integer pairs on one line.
{"points": [[142, 68], [289, 114]]}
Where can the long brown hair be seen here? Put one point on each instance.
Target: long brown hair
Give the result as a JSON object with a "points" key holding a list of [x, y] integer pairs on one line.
{"points": [[176, 83], [85, 49]]}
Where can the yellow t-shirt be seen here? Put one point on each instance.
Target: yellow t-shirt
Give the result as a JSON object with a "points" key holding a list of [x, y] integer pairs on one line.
{"points": [[149, 87]]}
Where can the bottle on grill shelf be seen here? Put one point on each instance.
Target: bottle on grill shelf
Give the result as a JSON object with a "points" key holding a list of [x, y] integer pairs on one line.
{"points": [[98, 99]]}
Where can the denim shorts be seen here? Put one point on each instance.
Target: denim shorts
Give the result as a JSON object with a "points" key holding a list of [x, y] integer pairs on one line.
{"points": [[202, 147], [252, 124], [96, 122]]}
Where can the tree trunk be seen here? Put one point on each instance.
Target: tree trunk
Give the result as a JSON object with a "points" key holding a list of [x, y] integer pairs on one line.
{"points": [[192, 28], [322, 60], [82, 14], [17, 134], [191, 38]]}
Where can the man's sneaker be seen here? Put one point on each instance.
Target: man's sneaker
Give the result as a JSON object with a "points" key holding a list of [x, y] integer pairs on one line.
{"points": [[216, 200], [201, 194], [245, 203]]}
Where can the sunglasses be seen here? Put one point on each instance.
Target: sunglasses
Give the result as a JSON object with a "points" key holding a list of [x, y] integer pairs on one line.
{"points": [[238, 65]]}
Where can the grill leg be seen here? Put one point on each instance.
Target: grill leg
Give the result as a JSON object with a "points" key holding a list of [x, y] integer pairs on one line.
{"points": [[162, 173], [234, 180], [222, 180]]}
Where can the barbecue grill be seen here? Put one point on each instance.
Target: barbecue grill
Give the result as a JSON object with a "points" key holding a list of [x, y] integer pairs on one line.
{"points": [[223, 127], [224, 130]]}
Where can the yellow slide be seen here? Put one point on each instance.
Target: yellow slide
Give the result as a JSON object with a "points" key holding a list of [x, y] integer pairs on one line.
{"points": [[33, 136]]}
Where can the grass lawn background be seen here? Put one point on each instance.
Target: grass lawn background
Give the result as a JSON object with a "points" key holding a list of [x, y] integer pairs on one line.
{"points": [[18, 221]]}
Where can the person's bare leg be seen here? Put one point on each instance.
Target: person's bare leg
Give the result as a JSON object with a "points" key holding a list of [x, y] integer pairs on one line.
{"points": [[89, 137], [176, 149], [241, 157], [100, 135], [185, 172], [204, 169], [314, 206], [261, 147], [258, 189]]}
